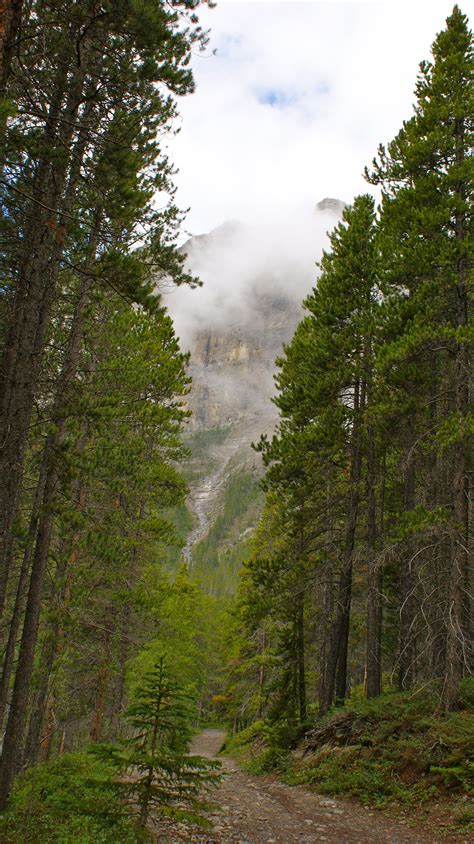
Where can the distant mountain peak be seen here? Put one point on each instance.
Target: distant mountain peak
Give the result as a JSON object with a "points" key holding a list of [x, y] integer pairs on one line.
{"points": [[336, 206]]}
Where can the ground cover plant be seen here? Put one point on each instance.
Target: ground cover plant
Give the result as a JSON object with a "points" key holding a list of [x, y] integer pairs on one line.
{"points": [[394, 750], [72, 798]]}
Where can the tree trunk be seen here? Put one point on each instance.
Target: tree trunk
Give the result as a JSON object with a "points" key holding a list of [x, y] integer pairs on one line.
{"points": [[119, 692], [13, 741], [44, 244], [345, 600], [374, 580], [261, 674], [125, 623], [458, 616], [337, 663], [17, 616], [325, 636], [10, 23], [47, 731], [301, 658], [406, 663], [99, 709], [53, 645], [327, 610]]}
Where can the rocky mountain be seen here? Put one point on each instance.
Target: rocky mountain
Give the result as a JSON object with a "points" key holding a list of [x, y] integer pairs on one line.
{"points": [[232, 370], [234, 340], [334, 206]]}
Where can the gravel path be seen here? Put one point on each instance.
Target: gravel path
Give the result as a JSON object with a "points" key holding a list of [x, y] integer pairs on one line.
{"points": [[262, 810]]}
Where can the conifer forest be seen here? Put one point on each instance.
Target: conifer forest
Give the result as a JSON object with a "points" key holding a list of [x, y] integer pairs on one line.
{"points": [[306, 606]]}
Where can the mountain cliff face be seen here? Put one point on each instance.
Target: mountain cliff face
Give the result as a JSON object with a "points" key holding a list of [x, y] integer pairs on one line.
{"points": [[232, 369], [234, 341]]}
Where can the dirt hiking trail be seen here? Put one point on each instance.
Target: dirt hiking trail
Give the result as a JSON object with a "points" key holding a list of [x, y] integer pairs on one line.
{"points": [[262, 810]]}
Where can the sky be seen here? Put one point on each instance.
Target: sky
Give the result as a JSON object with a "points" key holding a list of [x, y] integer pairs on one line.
{"points": [[292, 100]]}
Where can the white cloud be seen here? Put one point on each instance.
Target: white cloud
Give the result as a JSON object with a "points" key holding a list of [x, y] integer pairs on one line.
{"points": [[244, 266], [289, 110], [296, 100]]}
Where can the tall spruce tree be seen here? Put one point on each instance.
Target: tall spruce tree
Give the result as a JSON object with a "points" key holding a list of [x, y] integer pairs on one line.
{"points": [[325, 386], [84, 163], [89, 108], [427, 177]]}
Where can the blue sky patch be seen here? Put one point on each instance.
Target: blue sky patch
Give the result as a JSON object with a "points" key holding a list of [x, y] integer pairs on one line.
{"points": [[276, 98]]}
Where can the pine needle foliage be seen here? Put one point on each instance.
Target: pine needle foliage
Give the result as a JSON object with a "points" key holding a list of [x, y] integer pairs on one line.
{"points": [[161, 774]]}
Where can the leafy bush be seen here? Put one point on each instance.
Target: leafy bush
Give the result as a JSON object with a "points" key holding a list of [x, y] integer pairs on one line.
{"points": [[263, 746], [71, 799], [466, 694]]}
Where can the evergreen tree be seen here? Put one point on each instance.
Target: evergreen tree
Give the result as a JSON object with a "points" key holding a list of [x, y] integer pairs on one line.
{"points": [[120, 477], [373, 443], [325, 384], [427, 176], [84, 164], [91, 143], [166, 776]]}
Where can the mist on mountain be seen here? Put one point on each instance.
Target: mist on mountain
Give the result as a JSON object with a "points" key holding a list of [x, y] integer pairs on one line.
{"points": [[245, 265]]}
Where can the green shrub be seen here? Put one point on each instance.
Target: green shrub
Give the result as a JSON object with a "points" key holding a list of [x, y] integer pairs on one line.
{"points": [[166, 776], [466, 694], [70, 800], [389, 749], [264, 746]]}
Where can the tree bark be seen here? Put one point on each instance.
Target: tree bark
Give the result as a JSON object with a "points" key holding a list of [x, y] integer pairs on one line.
{"points": [[457, 617], [13, 742], [261, 674], [18, 609], [406, 659], [99, 708], [375, 576], [125, 623], [301, 658], [53, 645], [10, 23], [44, 244], [337, 663], [327, 610]]}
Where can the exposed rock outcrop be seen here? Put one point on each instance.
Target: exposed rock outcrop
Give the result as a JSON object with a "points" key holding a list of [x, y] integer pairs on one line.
{"points": [[234, 344]]}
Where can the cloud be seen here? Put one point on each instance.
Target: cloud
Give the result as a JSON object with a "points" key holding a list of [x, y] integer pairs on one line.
{"points": [[247, 266], [295, 101], [289, 110]]}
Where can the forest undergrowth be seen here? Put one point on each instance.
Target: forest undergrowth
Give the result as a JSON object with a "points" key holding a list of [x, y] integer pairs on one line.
{"points": [[395, 752]]}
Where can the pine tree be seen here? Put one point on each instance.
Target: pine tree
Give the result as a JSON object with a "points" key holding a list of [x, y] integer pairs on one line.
{"points": [[427, 176], [165, 777], [325, 384], [103, 111], [84, 163]]}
